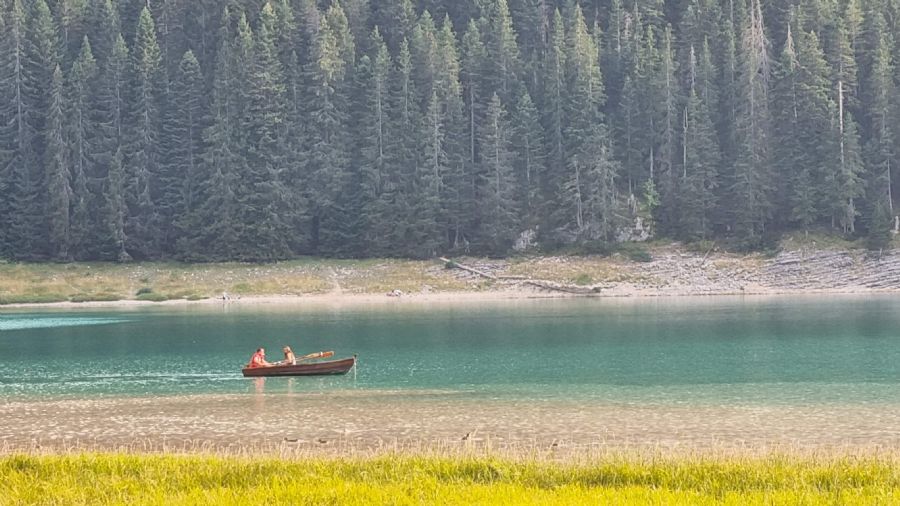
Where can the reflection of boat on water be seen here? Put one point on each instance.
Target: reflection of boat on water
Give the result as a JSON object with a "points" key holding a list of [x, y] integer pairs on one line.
{"points": [[308, 369]]}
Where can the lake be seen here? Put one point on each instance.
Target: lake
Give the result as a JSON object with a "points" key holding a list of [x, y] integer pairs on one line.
{"points": [[604, 365]]}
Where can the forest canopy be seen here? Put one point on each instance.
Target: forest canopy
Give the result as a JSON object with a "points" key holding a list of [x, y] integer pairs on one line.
{"points": [[258, 130]]}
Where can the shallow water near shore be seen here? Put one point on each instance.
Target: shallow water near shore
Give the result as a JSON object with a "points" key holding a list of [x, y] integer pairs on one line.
{"points": [[795, 370]]}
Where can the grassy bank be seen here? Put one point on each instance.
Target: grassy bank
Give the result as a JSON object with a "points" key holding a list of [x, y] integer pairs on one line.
{"points": [[156, 281], [137, 479], [814, 261]]}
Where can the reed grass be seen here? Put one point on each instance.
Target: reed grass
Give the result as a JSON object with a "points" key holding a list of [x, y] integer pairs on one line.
{"points": [[121, 478]]}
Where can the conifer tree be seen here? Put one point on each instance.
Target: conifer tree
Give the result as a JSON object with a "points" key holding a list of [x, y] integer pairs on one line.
{"points": [[499, 211], [553, 103], [728, 100], [217, 219], [880, 150], [170, 18], [373, 112], [879, 236], [403, 163], [38, 61], [143, 226], [262, 228], [82, 134], [818, 135], [631, 129], [426, 227], [752, 186], [601, 196], [103, 28], [107, 111], [473, 64], [457, 201], [529, 23], [667, 137], [15, 154], [328, 160], [700, 156], [69, 18], [396, 20], [358, 15], [186, 121], [785, 97], [200, 32], [502, 77], [528, 158], [423, 51], [59, 193], [584, 94], [850, 185]]}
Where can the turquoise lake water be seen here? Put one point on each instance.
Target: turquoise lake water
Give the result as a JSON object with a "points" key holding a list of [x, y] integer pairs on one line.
{"points": [[712, 351]]}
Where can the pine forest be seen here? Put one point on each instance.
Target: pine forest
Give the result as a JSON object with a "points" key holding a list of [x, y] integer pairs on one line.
{"points": [[257, 130]]}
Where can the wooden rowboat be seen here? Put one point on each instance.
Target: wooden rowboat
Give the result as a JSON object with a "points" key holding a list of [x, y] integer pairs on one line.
{"points": [[306, 369]]}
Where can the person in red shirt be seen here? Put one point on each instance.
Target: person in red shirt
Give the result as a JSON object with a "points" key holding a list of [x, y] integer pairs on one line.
{"points": [[259, 359]]}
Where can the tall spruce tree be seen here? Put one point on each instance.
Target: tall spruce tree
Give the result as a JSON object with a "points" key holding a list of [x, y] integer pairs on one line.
{"points": [[752, 185], [403, 163], [213, 221], [880, 150], [59, 193], [81, 136], [373, 113], [818, 137], [328, 160], [666, 123], [785, 100], [502, 77], [144, 225], [427, 184], [529, 159], [262, 228], [553, 106], [103, 28], [183, 131], [15, 156], [499, 209], [457, 200], [699, 179], [39, 59], [583, 127], [473, 65]]}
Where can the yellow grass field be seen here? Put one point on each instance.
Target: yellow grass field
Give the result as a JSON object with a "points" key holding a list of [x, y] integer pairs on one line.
{"points": [[118, 478]]}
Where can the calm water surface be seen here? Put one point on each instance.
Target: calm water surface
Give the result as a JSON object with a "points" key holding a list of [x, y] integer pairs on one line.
{"points": [[690, 351]]}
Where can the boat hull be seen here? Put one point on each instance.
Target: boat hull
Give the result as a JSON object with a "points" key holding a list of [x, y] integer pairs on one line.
{"points": [[309, 369]]}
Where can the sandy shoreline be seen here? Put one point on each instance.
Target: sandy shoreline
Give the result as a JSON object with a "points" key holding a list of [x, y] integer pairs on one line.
{"points": [[360, 422], [345, 298]]}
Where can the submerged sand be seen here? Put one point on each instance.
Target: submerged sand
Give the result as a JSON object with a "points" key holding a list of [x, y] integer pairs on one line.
{"points": [[356, 422]]}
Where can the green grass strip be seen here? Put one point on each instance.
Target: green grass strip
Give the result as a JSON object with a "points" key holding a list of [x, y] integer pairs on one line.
{"points": [[154, 479]]}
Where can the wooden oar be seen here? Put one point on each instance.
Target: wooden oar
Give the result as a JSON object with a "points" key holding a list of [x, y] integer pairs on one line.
{"points": [[318, 354]]}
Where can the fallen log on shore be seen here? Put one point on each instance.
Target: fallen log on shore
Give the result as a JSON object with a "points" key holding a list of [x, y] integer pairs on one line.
{"points": [[538, 283]]}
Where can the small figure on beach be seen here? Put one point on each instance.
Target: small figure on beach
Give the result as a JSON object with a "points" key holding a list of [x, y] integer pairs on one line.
{"points": [[289, 358], [259, 359], [395, 293]]}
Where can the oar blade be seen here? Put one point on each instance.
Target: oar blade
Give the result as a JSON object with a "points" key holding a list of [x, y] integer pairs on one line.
{"points": [[318, 354]]}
